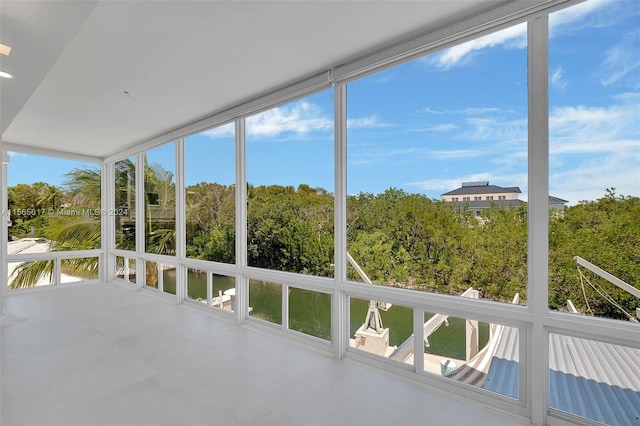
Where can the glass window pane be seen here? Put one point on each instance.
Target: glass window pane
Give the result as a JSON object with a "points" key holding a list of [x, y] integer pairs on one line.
{"points": [[126, 269], [30, 274], [381, 328], [151, 274], [265, 301], [437, 170], [210, 194], [594, 159], [310, 312], [290, 185], [472, 352], [125, 204], [79, 269], [595, 380], [197, 285], [169, 279], [160, 200], [224, 292], [54, 199], [132, 270]]}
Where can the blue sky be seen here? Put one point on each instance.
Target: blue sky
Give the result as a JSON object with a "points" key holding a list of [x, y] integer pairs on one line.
{"points": [[453, 116]]}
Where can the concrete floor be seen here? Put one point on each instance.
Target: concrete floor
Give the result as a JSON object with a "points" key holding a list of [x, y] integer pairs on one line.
{"points": [[104, 354]]}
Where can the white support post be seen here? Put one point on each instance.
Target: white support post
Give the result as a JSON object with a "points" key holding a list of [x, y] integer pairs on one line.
{"points": [[140, 215], [418, 340], [210, 289], [242, 283], [538, 341], [339, 309], [285, 307], [126, 268], [471, 338], [160, 269], [57, 271], [108, 222], [180, 224]]}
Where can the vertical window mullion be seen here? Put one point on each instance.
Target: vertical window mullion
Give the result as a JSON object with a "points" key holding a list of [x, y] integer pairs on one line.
{"points": [[107, 219], [418, 340], [181, 226], [340, 301], [57, 270], [285, 307], [242, 283], [538, 215], [160, 284], [140, 231]]}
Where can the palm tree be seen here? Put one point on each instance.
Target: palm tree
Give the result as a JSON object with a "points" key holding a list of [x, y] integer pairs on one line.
{"points": [[49, 197], [83, 232]]}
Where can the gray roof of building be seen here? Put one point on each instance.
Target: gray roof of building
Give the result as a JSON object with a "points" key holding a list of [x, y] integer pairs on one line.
{"points": [[485, 204], [503, 376], [483, 189], [590, 379], [595, 380], [556, 200]]}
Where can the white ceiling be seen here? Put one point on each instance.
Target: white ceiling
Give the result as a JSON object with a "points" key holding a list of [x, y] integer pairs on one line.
{"points": [[179, 60]]}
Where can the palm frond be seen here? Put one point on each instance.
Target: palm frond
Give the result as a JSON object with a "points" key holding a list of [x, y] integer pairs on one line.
{"points": [[83, 233], [29, 273]]}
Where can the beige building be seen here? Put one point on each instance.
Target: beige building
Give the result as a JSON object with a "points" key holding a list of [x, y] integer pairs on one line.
{"points": [[477, 196]]}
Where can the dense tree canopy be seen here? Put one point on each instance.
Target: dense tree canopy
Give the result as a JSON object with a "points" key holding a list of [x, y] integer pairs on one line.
{"points": [[399, 239]]}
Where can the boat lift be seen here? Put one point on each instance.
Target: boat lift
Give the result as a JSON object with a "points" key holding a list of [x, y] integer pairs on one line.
{"points": [[613, 280], [373, 319]]}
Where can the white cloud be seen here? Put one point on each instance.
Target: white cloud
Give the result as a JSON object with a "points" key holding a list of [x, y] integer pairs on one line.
{"points": [[589, 179], [515, 37], [496, 129], [513, 159], [581, 116], [454, 154], [302, 117], [477, 110], [466, 111], [512, 37], [431, 111], [581, 129], [557, 78], [621, 60], [445, 127], [16, 154], [628, 97], [594, 148], [570, 15], [226, 130], [596, 145], [481, 124], [378, 154], [385, 79], [365, 122]]}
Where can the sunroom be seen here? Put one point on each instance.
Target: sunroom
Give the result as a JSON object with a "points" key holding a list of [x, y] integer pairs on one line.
{"points": [[232, 212]]}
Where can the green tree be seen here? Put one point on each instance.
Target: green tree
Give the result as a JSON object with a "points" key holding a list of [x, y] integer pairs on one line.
{"points": [[290, 230], [605, 232]]}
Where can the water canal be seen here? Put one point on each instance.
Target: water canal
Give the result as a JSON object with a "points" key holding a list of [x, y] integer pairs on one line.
{"points": [[310, 312]]}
